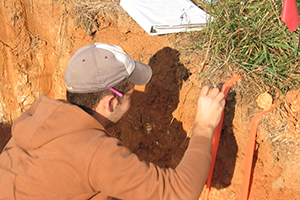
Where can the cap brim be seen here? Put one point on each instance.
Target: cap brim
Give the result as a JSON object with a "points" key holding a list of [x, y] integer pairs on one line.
{"points": [[141, 75]]}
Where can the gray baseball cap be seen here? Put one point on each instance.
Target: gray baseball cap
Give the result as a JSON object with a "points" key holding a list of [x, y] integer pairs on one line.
{"points": [[100, 66]]}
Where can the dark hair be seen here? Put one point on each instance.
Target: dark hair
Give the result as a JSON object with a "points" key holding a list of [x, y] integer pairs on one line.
{"points": [[89, 101]]}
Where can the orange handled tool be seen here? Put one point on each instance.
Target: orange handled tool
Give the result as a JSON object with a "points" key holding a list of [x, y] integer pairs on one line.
{"points": [[250, 151], [225, 89]]}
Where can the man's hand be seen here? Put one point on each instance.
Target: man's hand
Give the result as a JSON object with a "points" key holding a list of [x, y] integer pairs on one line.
{"points": [[209, 111]]}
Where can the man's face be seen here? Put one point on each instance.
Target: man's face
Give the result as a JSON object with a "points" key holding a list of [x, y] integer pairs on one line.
{"points": [[122, 107]]}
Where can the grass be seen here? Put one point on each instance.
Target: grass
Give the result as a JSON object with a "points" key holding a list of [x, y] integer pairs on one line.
{"points": [[250, 34]]}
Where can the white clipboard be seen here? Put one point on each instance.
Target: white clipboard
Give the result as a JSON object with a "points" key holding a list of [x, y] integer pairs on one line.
{"points": [[166, 16]]}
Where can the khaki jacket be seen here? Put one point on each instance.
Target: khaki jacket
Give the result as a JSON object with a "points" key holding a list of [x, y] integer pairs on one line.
{"points": [[58, 151]]}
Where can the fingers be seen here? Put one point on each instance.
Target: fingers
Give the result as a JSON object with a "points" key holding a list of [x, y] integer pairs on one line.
{"points": [[220, 96], [210, 107], [205, 90], [215, 96], [223, 102], [214, 93]]}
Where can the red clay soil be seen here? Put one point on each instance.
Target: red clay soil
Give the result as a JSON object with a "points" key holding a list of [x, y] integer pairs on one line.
{"points": [[38, 39]]}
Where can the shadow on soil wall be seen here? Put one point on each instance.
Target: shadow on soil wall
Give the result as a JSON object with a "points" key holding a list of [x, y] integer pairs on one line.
{"points": [[5, 135], [150, 131]]}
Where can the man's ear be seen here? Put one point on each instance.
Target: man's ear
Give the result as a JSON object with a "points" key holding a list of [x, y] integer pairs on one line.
{"points": [[109, 103]]}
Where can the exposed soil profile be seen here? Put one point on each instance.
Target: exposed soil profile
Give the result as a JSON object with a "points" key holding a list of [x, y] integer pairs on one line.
{"points": [[37, 39]]}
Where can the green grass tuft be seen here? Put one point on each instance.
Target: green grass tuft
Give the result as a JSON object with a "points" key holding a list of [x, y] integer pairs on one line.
{"points": [[250, 34]]}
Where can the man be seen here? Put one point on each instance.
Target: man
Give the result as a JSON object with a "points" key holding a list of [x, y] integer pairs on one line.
{"points": [[61, 150]]}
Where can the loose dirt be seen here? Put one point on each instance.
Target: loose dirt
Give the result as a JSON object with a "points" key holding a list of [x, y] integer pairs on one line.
{"points": [[37, 39]]}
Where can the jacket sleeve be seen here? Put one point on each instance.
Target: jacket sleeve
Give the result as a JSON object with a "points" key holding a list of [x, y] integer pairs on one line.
{"points": [[117, 172]]}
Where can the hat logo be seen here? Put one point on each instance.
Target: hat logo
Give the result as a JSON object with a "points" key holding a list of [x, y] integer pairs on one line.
{"points": [[69, 88]]}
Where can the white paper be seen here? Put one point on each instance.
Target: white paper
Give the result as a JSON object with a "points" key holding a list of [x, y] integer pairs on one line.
{"points": [[165, 16]]}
